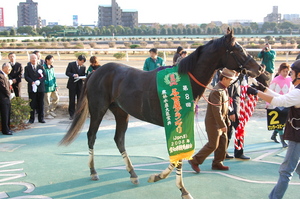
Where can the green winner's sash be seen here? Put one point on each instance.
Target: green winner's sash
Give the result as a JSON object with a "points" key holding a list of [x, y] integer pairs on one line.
{"points": [[176, 100]]}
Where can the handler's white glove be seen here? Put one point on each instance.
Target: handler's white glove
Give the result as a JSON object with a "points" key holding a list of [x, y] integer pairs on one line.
{"points": [[34, 88], [37, 82], [10, 82]]}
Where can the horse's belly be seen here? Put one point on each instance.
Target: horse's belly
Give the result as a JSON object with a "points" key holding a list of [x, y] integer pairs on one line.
{"points": [[143, 106]]}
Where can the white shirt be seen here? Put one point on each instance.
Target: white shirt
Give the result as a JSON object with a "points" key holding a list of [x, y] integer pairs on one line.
{"points": [[287, 100]]}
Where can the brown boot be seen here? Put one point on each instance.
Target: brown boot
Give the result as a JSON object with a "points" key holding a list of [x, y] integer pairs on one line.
{"points": [[219, 166]]}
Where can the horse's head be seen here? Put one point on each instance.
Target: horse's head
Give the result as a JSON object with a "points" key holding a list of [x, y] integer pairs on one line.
{"points": [[236, 58], [264, 77]]}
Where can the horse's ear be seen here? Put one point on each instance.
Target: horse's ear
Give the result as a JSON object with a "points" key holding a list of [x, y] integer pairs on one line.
{"points": [[228, 30], [230, 37]]}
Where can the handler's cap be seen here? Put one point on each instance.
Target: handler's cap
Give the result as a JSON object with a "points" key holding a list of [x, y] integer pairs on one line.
{"points": [[296, 66], [229, 73]]}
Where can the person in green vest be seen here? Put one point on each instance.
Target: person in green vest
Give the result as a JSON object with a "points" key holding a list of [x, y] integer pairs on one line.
{"points": [[268, 59], [153, 61], [94, 65], [50, 88]]}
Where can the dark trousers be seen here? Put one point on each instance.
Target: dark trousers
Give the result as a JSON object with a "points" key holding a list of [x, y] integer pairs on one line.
{"points": [[17, 89], [36, 104], [231, 128], [5, 110], [73, 92]]}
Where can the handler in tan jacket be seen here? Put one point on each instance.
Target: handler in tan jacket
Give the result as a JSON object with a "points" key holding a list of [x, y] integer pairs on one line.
{"points": [[216, 123]]}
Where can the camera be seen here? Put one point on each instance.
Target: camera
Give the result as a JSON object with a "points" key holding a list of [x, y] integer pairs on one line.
{"points": [[266, 48]]}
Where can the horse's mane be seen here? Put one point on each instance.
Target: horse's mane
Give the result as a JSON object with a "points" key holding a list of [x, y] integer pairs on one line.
{"points": [[188, 63]]}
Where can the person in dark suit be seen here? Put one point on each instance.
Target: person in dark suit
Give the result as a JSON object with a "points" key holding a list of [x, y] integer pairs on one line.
{"points": [[39, 57], [74, 70], [35, 76], [234, 92], [16, 74], [5, 106]]}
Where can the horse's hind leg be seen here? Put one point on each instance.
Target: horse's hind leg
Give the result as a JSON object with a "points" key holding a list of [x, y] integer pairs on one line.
{"points": [[179, 182], [96, 118], [121, 127]]}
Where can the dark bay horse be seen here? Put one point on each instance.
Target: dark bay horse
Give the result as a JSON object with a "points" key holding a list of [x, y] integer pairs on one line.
{"points": [[128, 91]]}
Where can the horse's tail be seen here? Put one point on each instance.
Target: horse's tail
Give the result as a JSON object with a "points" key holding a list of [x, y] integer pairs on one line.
{"points": [[79, 117]]}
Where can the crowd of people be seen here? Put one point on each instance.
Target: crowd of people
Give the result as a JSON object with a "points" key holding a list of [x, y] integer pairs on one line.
{"points": [[42, 86]]}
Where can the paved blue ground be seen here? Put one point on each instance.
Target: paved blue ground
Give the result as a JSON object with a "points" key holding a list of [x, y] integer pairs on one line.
{"points": [[31, 161]]}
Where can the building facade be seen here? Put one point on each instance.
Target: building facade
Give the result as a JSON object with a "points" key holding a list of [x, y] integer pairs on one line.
{"points": [[114, 15], [28, 14], [274, 16], [1, 17], [294, 18]]}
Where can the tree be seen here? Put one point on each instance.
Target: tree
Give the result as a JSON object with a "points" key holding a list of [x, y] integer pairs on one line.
{"points": [[179, 31], [213, 30], [265, 27], [12, 32], [128, 31], [111, 28], [120, 30], [174, 31], [87, 30], [203, 26], [135, 30], [46, 30], [208, 31], [163, 31], [249, 31], [103, 30], [96, 31], [28, 30], [6, 33], [108, 32], [254, 26], [194, 31], [58, 28], [169, 30], [286, 25]]}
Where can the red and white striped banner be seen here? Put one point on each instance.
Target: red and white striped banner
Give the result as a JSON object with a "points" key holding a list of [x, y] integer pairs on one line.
{"points": [[247, 105]]}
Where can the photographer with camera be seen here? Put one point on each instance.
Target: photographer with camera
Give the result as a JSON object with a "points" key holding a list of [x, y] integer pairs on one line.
{"points": [[268, 59]]}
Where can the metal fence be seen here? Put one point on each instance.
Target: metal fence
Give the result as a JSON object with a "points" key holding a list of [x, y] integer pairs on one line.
{"points": [[127, 51]]}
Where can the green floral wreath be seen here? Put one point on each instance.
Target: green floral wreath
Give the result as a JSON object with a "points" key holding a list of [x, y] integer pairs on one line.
{"points": [[167, 79]]}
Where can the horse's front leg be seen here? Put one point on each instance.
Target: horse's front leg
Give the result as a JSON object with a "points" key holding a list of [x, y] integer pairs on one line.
{"points": [[179, 182], [133, 177], [94, 175], [164, 174]]}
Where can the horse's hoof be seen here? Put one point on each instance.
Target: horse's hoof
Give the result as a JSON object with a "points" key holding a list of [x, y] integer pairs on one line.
{"points": [[152, 178], [95, 177], [134, 180], [187, 196]]}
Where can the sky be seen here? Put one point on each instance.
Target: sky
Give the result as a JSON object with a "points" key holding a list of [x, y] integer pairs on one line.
{"points": [[154, 11]]}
